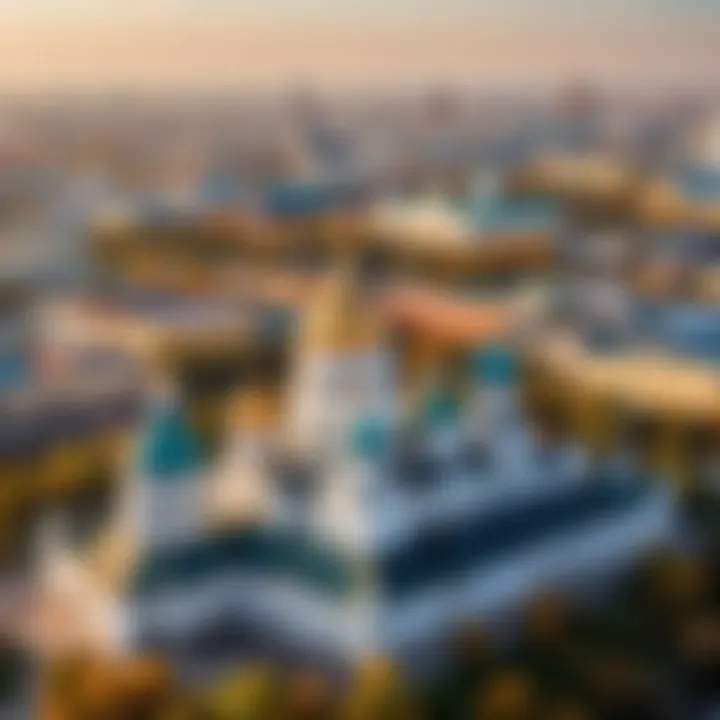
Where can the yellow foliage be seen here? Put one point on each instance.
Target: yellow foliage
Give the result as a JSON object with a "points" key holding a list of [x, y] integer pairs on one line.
{"points": [[379, 692], [251, 693]]}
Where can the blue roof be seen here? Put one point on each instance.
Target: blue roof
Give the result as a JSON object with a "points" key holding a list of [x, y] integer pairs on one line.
{"points": [[700, 184], [495, 365], [272, 552], [491, 212], [14, 371], [429, 559], [480, 540], [222, 188], [170, 449], [302, 198]]}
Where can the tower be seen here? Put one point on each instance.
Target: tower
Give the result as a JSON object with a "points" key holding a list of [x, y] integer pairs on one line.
{"points": [[159, 509], [354, 514], [165, 496], [350, 511], [343, 369]]}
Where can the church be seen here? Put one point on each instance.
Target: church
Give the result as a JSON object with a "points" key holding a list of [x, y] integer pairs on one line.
{"points": [[340, 519]]}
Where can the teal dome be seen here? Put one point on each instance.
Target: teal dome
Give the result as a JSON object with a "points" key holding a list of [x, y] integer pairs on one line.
{"points": [[370, 439], [495, 366], [442, 409], [490, 208], [169, 448]]}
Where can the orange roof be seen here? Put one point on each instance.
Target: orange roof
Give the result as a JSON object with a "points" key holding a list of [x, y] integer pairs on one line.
{"points": [[448, 318], [440, 314]]}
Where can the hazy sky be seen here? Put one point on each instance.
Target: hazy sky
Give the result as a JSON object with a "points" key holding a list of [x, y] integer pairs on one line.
{"points": [[102, 43]]}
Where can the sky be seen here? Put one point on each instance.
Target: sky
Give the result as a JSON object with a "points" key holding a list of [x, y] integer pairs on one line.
{"points": [[266, 43]]}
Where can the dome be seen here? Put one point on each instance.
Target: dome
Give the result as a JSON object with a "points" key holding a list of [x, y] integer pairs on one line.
{"points": [[432, 221], [299, 199], [495, 365], [442, 409], [169, 448], [370, 439]]}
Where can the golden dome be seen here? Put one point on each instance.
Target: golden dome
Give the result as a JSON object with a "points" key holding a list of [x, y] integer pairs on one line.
{"points": [[339, 318]]}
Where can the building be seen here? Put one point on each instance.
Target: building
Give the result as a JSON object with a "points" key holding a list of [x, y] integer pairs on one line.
{"points": [[335, 522]]}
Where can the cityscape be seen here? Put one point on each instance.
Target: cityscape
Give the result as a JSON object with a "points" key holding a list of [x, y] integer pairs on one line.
{"points": [[339, 389]]}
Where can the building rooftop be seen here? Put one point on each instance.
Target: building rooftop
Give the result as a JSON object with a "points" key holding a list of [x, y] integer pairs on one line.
{"points": [[639, 379]]}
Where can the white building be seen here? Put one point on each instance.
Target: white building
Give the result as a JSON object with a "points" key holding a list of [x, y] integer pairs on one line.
{"points": [[362, 534]]}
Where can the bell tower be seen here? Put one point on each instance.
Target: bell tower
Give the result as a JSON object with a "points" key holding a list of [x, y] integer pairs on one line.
{"points": [[343, 368]]}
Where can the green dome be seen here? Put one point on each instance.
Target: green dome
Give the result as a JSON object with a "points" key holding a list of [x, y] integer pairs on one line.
{"points": [[170, 448], [495, 365], [442, 409], [370, 439]]}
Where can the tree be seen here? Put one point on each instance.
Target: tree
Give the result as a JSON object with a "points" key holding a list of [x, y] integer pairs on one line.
{"points": [[379, 692], [309, 697], [251, 693]]}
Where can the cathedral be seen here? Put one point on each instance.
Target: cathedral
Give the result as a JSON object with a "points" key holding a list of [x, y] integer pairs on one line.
{"points": [[341, 520]]}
